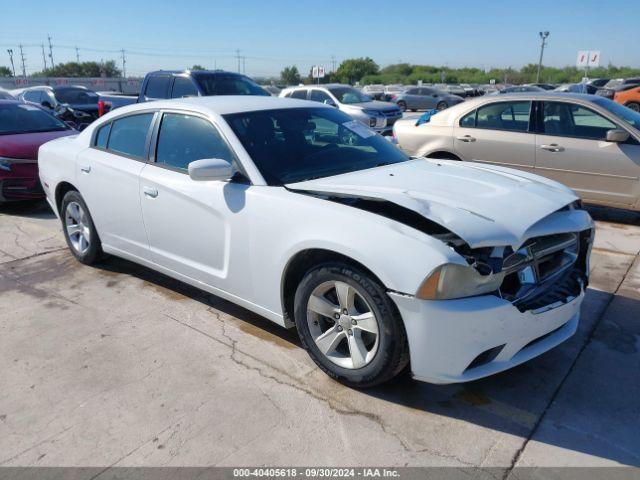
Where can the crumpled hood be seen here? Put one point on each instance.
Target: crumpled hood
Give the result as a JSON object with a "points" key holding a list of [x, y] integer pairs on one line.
{"points": [[485, 205]]}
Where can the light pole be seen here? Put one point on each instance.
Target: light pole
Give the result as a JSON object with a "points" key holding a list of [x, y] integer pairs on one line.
{"points": [[543, 42], [13, 67]]}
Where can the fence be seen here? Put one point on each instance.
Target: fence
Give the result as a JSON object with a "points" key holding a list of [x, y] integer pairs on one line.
{"points": [[122, 85]]}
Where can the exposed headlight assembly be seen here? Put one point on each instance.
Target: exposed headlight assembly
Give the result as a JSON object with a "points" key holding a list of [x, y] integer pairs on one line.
{"points": [[452, 280], [5, 164]]}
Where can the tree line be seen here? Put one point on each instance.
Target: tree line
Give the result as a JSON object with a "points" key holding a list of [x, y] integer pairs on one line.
{"points": [[367, 72], [106, 69]]}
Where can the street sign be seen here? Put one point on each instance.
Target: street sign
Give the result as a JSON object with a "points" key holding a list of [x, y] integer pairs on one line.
{"points": [[317, 72], [588, 58]]}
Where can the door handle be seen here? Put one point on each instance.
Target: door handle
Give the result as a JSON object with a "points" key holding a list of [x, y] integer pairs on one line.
{"points": [[85, 168], [553, 147], [466, 138], [150, 192]]}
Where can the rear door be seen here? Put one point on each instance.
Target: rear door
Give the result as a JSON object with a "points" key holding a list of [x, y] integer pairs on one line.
{"points": [[571, 148], [499, 133], [108, 178]]}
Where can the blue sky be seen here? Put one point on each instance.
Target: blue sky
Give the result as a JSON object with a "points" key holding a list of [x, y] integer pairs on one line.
{"points": [[276, 33]]}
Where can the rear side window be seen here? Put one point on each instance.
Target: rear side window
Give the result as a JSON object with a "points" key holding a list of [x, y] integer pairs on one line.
{"points": [[319, 96], [103, 136], [510, 116], [183, 87], [469, 120], [34, 96], [158, 86], [129, 135], [185, 138], [301, 94]]}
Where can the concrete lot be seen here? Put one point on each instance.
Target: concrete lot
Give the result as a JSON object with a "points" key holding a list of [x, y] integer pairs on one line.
{"points": [[119, 366]]}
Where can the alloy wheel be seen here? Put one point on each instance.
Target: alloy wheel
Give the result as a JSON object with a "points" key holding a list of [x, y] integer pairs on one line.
{"points": [[77, 226]]}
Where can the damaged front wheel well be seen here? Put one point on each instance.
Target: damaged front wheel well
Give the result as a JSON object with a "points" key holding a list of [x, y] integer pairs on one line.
{"points": [[297, 268]]}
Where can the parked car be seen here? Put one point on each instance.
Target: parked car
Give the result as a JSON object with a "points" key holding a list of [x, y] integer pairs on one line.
{"points": [[589, 143], [518, 89], [73, 103], [617, 85], [115, 100], [543, 86], [391, 90], [577, 88], [629, 97], [272, 89], [451, 89], [23, 129], [297, 212], [374, 91], [380, 116], [165, 84], [4, 95], [425, 98]]}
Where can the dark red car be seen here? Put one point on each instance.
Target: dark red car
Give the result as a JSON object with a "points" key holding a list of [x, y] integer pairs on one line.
{"points": [[23, 128]]}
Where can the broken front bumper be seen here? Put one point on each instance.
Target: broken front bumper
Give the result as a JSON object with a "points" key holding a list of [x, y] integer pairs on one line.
{"points": [[453, 341]]}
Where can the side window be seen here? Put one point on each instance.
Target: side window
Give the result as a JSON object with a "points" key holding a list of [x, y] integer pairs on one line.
{"points": [[183, 87], [510, 116], [319, 96], [569, 120], [185, 138], [158, 86], [302, 94], [469, 120], [102, 136], [129, 135], [413, 91], [33, 96]]}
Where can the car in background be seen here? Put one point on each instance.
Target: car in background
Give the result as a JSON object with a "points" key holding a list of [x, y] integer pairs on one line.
{"points": [[424, 98], [73, 103], [23, 129], [518, 89], [585, 88], [451, 89], [165, 84], [4, 95], [543, 86], [629, 97], [587, 142], [380, 261], [272, 89], [379, 116], [113, 100], [374, 91], [391, 90], [617, 85]]}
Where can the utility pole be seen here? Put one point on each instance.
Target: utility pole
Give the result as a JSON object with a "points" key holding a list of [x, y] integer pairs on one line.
{"points": [[238, 57], [543, 42], [333, 63], [24, 71], [244, 65], [13, 67], [50, 51], [77, 55], [124, 63], [44, 58]]}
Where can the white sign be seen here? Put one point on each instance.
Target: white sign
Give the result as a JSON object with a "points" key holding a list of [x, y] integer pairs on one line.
{"points": [[317, 72], [588, 58]]}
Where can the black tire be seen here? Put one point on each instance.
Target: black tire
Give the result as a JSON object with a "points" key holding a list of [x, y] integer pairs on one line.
{"points": [[93, 252], [634, 106], [392, 354], [402, 105], [414, 109], [442, 106]]}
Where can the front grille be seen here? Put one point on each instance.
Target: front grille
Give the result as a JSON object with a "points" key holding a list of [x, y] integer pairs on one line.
{"points": [[546, 271]]}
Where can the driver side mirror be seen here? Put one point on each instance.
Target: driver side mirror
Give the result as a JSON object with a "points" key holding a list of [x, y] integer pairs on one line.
{"points": [[328, 101], [210, 169], [617, 135]]}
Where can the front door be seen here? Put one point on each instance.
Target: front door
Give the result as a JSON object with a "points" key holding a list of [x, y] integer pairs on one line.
{"points": [[573, 150], [192, 225], [497, 133]]}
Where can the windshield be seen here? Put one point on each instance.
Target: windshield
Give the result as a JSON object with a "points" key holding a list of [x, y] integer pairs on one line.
{"points": [[24, 118], [76, 96], [217, 84], [297, 144], [348, 95], [623, 113]]}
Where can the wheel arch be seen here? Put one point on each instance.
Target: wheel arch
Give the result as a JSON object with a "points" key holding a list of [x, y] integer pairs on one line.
{"points": [[442, 155], [61, 190], [303, 261]]}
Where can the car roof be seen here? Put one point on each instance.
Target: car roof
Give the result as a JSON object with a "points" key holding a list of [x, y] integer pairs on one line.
{"points": [[194, 72], [323, 85], [223, 104]]}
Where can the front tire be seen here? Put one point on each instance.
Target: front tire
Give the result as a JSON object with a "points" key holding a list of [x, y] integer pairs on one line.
{"points": [[79, 231], [634, 106], [402, 106], [349, 325], [442, 106]]}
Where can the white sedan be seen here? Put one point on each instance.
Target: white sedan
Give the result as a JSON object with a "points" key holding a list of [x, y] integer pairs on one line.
{"points": [[295, 211]]}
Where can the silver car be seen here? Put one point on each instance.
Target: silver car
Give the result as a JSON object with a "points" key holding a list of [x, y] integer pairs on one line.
{"points": [[588, 142], [379, 116], [425, 98]]}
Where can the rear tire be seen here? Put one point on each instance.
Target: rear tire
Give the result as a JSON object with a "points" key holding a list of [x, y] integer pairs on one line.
{"points": [[634, 106], [79, 231], [442, 106], [370, 352]]}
